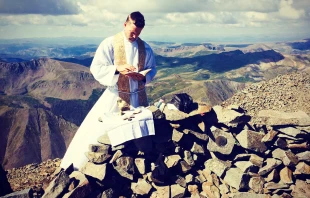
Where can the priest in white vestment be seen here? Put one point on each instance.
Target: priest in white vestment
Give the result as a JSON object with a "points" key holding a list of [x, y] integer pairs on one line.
{"points": [[114, 61]]}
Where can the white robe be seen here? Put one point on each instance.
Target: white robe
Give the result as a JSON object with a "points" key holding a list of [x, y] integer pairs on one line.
{"points": [[103, 70]]}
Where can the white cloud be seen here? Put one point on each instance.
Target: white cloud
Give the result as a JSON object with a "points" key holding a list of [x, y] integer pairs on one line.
{"points": [[49, 7], [287, 11]]}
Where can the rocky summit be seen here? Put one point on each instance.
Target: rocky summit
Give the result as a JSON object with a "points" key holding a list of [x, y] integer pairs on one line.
{"points": [[229, 150]]}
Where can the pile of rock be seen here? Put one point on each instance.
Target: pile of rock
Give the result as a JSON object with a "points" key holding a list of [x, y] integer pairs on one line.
{"points": [[288, 93], [211, 152], [33, 178]]}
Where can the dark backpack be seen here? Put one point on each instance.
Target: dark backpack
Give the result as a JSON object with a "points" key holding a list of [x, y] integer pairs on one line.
{"points": [[183, 102]]}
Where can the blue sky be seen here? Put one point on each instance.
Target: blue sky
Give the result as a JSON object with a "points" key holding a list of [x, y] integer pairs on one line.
{"points": [[166, 20]]}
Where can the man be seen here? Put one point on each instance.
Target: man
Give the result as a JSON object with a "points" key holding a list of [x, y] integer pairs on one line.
{"points": [[116, 58]]}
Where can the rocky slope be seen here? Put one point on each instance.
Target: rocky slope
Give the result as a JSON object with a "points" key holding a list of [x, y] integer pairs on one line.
{"points": [[288, 93], [46, 78]]}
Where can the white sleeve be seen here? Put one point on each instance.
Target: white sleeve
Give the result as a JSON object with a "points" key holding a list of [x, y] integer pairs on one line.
{"points": [[149, 64], [102, 66]]}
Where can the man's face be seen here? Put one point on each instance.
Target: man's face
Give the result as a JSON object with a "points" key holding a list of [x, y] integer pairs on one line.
{"points": [[131, 31]]}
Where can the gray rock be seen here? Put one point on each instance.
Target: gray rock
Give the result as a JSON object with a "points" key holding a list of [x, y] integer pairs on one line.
{"points": [[236, 178], [95, 170], [273, 176], [269, 136], [177, 135], [246, 166], [275, 186], [197, 148], [142, 187], [172, 160], [291, 131], [216, 166], [276, 118], [224, 142], [286, 175], [304, 156], [97, 158], [108, 193], [177, 191], [83, 188], [104, 139], [199, 135], [125, 167], [302, 189], [287, 157], [174, 115], [185, 166], [251, 140], [248, 195], [257, 184], [100, 148], [140, 164], [227, 116], [57, 186], [188, 158], [26, 193], [270, 165], [116, 155], [302, 168]]}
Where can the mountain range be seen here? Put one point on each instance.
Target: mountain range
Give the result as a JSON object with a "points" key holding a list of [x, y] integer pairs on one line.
{"points": [[47, 91]]}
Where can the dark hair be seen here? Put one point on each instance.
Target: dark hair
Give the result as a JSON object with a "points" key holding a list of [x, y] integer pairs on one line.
{"points": [[137, 18]]}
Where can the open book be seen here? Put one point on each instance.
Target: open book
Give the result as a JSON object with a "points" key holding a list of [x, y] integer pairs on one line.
{"points": [[143, 72]]}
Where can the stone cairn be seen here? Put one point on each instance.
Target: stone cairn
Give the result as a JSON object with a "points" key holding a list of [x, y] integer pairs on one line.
{"points": [[210, 152]]}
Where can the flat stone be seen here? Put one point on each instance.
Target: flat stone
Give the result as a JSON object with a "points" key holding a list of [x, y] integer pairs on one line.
{"points": [[177, 135], [189, 178], [273, 176], [236, 178], [216, 166], [142, 187], [251, 140], [199, 135], [100, 148], [185, 166], [26, 193], [286, 175], [197, 148], [275, 186], [188, 158], [303, 156], [277, 118], [302, 189], [58, 185], [270, 136], [193, 190], [227, 115], [287, 157], [97, 158], [116, 155], [83, 188], [95, 170], [177, 191], [248, 195], [291, 131], [174, 115], [125, 167], [172, 160], [210, 190], [161, 192], [257, 184], [246, 166], [223, 142], [104, 139], [270, 165], [302, 168], [140, 164]]}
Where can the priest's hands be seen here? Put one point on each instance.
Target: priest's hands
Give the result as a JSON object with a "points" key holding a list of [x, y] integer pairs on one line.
{"points": [[125, 69]]}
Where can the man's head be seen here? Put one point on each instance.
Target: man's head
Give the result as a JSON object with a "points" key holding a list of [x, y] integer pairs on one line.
{"points": [[133, 26]]}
